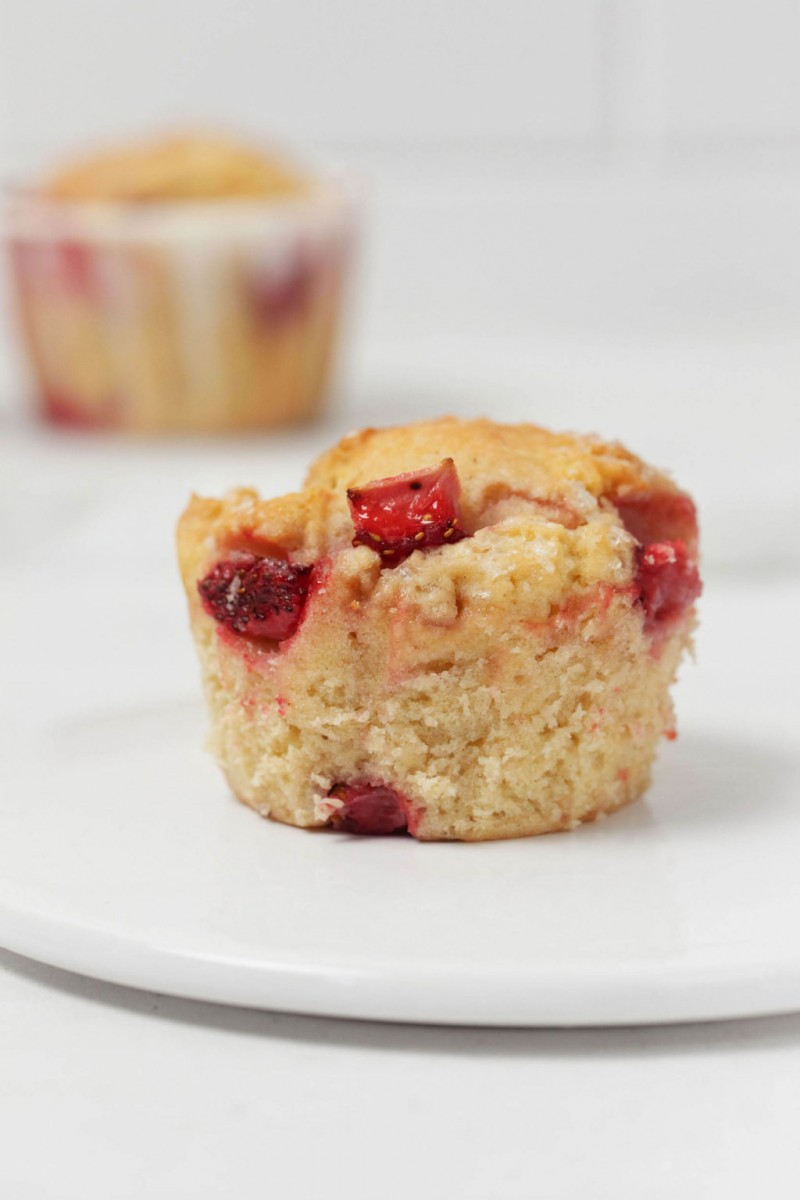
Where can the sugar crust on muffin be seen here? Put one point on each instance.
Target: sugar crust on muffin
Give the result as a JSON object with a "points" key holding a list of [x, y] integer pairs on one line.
{"points": [[512, 681]]}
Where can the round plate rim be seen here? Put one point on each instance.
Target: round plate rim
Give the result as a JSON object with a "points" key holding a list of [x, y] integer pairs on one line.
{"points": [[633, 993]]}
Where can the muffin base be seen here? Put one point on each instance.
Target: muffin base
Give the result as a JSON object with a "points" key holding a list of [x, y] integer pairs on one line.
{"points": [[560, 726]]}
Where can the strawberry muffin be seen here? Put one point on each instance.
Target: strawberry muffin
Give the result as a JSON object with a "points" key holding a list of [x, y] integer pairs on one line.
{"points": [[464, 630], [183, 283]]}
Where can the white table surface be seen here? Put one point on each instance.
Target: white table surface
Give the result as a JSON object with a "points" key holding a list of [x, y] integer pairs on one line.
{"points": [[110, 1094], [118, 1094]]}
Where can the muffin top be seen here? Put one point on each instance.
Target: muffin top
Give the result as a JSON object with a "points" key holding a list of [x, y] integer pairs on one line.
{"points": [[494, 462], [192, 166], [519, 471], [539, 517]]}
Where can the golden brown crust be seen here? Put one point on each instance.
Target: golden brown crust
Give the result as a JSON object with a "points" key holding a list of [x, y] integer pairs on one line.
{"points": [[193, 166], [292, 526], [504, 471], [486, 451]]}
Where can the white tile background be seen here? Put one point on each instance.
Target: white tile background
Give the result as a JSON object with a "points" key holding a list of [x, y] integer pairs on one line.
{"points": [[730, 69], [363, 75], [343, 73]]}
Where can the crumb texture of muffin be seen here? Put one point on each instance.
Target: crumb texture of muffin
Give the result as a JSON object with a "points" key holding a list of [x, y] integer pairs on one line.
{"points": [[463, 629], [187, 283]]}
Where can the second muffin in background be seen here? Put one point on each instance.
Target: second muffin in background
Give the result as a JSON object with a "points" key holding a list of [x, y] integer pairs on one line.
{"points": [[188, 283]]}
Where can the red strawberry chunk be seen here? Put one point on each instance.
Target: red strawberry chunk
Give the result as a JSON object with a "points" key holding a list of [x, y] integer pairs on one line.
{"points": [[368, 808], [659, 517], [261, 597], [668, 580], [408, 512], [275, 300]]}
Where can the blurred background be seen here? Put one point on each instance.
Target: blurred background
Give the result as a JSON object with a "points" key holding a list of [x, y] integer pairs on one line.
{"points": [[578, 212], [585, 208]]}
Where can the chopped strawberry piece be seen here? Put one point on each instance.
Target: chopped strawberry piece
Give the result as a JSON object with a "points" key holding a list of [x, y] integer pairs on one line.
{"points": [[668, 580], [63, 409], [368, 808], [408, 512], [78, 264], [261, 597], [659, 517], [276, 299]]}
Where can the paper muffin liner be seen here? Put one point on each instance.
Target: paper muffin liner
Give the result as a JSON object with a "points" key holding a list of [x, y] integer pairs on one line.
{"points": [[183, 316]]}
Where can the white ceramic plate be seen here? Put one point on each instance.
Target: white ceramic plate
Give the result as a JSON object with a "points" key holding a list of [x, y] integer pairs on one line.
{"points": [[122, 855]]}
